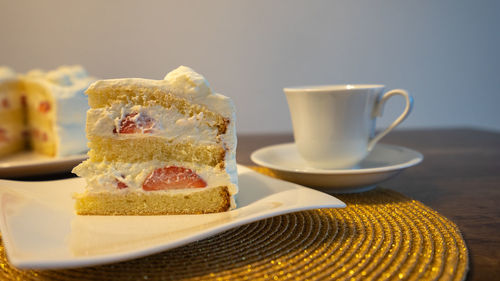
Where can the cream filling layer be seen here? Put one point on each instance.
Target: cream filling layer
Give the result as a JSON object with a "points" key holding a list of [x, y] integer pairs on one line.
{"points": [[162, 122], [104, 176]]}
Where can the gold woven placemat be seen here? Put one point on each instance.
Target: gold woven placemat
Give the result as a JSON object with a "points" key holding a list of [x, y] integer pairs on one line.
{"points": [[380, 235]]}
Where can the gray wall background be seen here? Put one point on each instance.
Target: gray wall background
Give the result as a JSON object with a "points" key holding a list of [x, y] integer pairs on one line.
{"points": [[445, 53]]}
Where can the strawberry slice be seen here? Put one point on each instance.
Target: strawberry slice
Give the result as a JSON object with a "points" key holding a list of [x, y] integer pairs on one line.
{"points": [[23, 100], [3, 135], [35, 132], [44, 106], [121, 185], [172, 177], [135, 123], [5, 103]]}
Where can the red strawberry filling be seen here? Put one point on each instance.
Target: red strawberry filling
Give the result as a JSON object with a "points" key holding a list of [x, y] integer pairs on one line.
{"points": [[38, 134], [44, 107], [3, 135], [5, 103], [25, 134], [120, 184], [172, 177], [23, 100], [135, 123]]}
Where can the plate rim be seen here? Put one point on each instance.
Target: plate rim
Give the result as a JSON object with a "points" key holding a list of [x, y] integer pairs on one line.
{"points": [[314, 171], [42, 161], [17, 169]]}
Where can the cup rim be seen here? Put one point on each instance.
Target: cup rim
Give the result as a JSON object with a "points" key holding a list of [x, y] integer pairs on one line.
{"points": [[333, 87]]}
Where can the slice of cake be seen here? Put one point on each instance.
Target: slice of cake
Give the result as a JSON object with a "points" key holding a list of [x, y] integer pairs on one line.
{"points": [[158, 147], [56, 105], [12, 114], [44, 111]]}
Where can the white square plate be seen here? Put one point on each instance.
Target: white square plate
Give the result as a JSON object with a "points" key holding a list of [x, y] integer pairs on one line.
{"points": [[41, 230]]}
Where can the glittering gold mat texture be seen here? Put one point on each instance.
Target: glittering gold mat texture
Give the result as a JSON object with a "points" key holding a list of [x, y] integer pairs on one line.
{"points": [[380, 235]]}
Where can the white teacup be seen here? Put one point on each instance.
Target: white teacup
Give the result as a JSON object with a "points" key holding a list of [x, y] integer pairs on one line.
{"points": [[334, 125]]}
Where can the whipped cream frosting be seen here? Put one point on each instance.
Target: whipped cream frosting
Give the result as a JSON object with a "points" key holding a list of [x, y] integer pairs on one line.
{"points": [[67, 85], [185, 81], [169, 124], [6, 73]]}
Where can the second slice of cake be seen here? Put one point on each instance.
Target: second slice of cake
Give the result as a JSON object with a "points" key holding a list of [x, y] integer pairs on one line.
{"points": [[158, 147]]}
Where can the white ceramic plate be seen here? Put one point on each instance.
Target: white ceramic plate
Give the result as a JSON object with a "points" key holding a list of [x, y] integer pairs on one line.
{"points": [[33, 164], [384, 162], [40, 229]]}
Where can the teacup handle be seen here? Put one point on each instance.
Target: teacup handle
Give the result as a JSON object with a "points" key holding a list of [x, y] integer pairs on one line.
{"points": [[377, 112]]}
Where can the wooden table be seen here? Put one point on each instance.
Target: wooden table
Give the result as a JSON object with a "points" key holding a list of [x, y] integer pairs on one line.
{"points": [[459, 177]]}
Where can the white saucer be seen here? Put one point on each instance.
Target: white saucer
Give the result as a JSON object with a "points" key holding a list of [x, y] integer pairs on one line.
{"points": [[384, 162]]}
